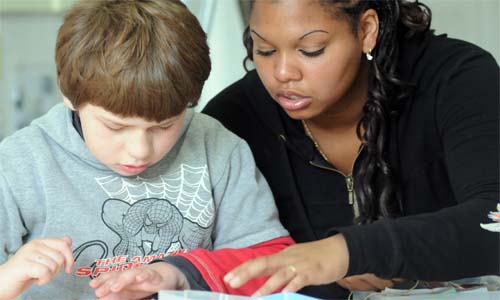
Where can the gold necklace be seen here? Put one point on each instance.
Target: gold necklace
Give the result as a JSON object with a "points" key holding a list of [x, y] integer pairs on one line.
{"points": [[309, 134]]}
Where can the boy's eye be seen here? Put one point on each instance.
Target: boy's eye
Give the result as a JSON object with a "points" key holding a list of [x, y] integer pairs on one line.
{"points": [[159, 128], [264, 52], [163, 128], [113, 128], [312, 53]]}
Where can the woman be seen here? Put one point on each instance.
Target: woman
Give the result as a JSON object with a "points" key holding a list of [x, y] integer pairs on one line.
{"points": [[379, 140]]}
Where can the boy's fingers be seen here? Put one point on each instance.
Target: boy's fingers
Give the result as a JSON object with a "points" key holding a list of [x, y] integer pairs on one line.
{"points": [[68, 240], [68, 254], [115, 282], [46, 261], [104, 288], [102, 284], [113, 297], [144, 275], [102, 291], [40, 273], [50, 257], [63, 246], [122, 281], [97, 282]]}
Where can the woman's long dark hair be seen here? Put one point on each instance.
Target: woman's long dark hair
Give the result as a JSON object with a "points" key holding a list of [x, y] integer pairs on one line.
{"points": [[398, 19]]}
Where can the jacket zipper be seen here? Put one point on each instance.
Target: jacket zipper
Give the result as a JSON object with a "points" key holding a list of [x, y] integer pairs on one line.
{"points": [[349, 180], [352, 196]]}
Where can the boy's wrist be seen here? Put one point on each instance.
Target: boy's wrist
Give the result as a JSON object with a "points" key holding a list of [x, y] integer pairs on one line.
{"points": [[169, 271], [6, 285]]}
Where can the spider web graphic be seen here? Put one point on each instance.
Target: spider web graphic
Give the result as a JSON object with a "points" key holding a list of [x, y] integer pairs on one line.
{"points": [[188, 188]]}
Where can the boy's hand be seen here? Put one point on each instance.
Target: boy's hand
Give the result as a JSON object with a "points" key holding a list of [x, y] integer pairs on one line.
{"points": [[138, 283], [38, 261]]}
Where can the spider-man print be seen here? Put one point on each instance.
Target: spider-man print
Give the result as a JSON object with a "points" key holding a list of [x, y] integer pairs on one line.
{"points": [[150, 226]]}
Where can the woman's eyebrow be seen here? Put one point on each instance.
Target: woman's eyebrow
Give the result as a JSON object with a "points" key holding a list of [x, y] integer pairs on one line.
{"points": [[313, 31], [261, 37], [302, 37]]}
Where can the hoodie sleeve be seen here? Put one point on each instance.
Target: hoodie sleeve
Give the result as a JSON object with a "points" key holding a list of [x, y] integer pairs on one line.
{"points": [[11, 225], [246, 225], [246, 212]]}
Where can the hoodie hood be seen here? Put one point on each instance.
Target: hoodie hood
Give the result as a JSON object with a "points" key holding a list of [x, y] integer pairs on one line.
{"points": [[57, 125]]}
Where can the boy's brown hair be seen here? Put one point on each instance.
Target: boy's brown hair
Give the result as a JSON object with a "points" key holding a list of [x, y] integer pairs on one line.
{"points": [[142, 58]]}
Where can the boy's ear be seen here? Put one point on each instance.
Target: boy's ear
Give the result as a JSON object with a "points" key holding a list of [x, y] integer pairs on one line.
{"points": [[368, 30], [68, 103]]}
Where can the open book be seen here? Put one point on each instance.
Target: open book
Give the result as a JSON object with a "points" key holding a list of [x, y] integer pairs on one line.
{"points": [[203, 295]]}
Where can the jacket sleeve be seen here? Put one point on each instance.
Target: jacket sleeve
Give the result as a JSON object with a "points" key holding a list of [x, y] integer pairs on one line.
{"points": [[213, 265], [447, 244]]}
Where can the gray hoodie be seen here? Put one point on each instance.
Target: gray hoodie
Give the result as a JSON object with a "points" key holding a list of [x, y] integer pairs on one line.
{"points": [[206, 192]]}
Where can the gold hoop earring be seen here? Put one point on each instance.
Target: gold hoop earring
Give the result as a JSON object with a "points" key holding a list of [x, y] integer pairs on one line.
{"points": [[369, 55]]}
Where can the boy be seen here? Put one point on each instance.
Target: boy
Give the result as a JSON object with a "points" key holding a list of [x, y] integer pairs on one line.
{"points": [[124, 172]]}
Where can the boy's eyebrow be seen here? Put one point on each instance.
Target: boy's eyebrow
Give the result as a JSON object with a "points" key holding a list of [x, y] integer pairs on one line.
{"points": [[107, 119], [302, 37], [120, 123], [167, 122]]}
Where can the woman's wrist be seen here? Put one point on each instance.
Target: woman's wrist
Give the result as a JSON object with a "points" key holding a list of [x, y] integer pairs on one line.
{"points": [[339, 247]]}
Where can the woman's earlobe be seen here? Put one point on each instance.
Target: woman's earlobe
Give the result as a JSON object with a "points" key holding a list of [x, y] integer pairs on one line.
{"points": [[369, 55], [369, 27]]}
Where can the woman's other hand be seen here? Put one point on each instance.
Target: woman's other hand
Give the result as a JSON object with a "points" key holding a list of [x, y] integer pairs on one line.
{"points": [[300, 265], [365, 282]]}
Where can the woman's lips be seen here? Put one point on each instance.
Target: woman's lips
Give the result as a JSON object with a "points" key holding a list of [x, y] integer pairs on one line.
{"points": [[293, 101]]}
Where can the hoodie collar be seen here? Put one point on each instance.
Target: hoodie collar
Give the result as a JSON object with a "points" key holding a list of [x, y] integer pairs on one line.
{"points": [[59, 125]]}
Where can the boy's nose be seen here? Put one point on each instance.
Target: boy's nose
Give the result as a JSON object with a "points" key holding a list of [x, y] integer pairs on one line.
{"points": [[140, 147]]}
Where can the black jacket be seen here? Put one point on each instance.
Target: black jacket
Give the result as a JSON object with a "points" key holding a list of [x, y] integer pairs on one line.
{"points": [[444, 147]]}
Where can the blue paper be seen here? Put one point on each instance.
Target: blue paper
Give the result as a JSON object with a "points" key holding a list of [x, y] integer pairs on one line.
{"points": [[204, 295]]}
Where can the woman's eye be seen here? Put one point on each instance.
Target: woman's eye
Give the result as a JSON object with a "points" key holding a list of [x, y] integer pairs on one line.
{"points": [[264, 52], [312, 53]]}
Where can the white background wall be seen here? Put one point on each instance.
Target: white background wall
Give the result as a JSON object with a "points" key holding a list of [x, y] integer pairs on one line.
{"points": [[226, 48], [476, 21], [27, 41]]}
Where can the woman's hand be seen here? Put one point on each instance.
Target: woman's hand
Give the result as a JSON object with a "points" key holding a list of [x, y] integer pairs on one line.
{"points": [[38, 261], [138, 283], [365, 282], [300, 265]]}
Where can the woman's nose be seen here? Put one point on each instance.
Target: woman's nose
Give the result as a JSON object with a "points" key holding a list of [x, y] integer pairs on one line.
{"points": [[285, 69]]}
